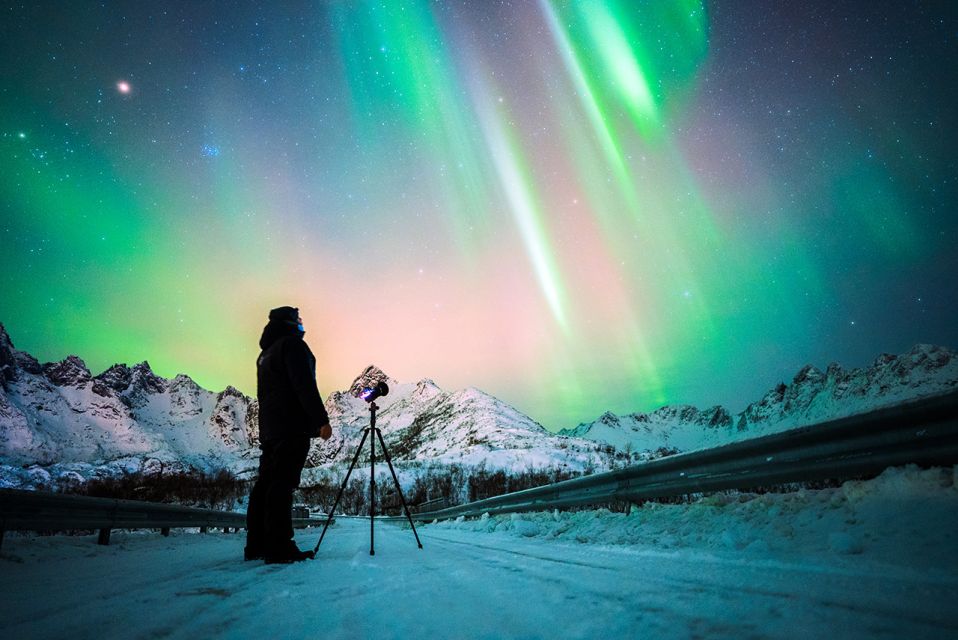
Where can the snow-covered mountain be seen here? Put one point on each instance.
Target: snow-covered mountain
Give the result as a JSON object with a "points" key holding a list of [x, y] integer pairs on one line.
{"points": [[125, 419], [420, 421], [813, 396], [57, 420]]}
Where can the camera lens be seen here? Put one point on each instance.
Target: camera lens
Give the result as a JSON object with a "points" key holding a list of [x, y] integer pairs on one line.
{"points": [[371, 393]]}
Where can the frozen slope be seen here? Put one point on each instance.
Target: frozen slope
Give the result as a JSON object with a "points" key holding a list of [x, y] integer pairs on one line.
{"points": [[510, 582]]}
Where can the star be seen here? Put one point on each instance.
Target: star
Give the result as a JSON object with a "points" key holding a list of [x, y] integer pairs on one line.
{"points": [[124, 87]]}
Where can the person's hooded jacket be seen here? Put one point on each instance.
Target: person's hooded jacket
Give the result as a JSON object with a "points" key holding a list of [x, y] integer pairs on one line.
{"points": [[289, 400]]}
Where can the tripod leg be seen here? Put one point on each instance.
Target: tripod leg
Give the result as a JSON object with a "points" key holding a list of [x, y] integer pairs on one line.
{"points": [[372, 491], [398, 488], [341, 490]]}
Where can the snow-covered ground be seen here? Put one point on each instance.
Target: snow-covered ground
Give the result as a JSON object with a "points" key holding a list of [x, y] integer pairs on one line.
{"points": [[906, 516], [868, 560]]}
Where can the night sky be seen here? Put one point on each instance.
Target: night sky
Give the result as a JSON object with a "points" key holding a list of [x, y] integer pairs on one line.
{"points": [[577, 207]]}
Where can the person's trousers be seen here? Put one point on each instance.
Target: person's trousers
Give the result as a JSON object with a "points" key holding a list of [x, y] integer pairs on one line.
{"points": [[269, 520]]}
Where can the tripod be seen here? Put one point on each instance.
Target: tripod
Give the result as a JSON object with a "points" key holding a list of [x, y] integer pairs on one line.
{"points": [[372, 482]]}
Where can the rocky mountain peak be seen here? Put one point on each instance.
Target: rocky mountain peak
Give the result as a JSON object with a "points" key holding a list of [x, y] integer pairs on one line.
{"points": [[928, 356], [426, 389], [811, 396], [718, 416], [883, 359], [229, 419], [117, 377], [8, 363], [230, 392], [6, 344], [368, 378], [814, 395], [678, 412], [143, 379], [808, 374], [609, 418], [143, 367], [69, 372], [12, 361], [183, 383]]}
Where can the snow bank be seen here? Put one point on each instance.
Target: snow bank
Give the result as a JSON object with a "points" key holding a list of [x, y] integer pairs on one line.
{"points": [[905, 516]]}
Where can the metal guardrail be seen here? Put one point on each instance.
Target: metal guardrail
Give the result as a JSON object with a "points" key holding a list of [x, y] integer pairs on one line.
{"points": [[430, 505], [923, 432], [44, 511]]}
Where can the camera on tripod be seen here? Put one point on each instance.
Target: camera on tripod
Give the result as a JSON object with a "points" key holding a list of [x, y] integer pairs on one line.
{"points": [[371, 393]]}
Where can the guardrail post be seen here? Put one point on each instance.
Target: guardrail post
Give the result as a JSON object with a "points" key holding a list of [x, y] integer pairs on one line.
{"points": [[202, 529], [104, 538], [1, 538], [165, 532]]}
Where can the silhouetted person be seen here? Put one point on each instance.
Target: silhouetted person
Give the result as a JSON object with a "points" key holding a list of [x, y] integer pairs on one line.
{"points": [[291, 412]]}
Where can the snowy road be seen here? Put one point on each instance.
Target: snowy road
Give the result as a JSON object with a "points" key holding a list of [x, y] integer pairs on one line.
{"points": [[462, 585]]}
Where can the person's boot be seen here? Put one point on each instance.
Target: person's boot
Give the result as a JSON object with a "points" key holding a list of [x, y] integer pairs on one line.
{"points": [[287, 554], [253, 553]]}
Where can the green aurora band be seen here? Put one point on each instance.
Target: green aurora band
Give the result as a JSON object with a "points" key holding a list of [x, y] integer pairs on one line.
{"points": [[562, 203]]}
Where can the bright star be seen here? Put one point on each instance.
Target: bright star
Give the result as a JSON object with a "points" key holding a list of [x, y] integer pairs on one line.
{"points": [[124, 87]]}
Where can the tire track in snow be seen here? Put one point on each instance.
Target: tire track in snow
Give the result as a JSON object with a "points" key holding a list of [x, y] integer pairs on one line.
{"points": [[841, 586]]}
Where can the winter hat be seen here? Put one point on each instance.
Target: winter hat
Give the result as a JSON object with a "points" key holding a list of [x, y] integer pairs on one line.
{"points": [[285, 314]]}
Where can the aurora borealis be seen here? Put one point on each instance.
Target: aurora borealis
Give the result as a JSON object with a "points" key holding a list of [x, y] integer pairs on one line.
{"points": [[577, 207]]}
